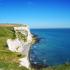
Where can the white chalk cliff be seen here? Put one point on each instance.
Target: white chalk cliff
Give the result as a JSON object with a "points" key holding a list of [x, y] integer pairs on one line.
{"points": [[21, 44]]}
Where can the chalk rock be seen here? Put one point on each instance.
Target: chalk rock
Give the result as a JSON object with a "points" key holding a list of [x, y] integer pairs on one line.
{"points": [[24, 62]]}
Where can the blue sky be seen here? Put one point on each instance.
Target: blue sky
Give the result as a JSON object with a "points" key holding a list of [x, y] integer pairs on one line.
{"points": [[36, 13]]}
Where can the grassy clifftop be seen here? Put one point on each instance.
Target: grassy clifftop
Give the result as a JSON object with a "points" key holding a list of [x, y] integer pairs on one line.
{"points": [[5, 33], [8, 60]]}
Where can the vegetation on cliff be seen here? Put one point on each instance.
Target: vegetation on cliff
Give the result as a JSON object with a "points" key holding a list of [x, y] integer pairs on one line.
{"points": [[8, 60]]}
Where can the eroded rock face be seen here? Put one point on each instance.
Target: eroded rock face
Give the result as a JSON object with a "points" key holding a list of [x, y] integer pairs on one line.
{"points": [[22, 41], [13, 45], [23, 32], [21, 44], [24, 62]]}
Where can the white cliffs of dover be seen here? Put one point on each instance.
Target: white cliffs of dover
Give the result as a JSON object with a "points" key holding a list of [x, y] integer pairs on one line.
{"points": [[25, 31], [21, 46]]}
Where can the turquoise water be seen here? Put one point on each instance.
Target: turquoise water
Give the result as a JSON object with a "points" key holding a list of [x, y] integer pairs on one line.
{"points": [[53, 47]]}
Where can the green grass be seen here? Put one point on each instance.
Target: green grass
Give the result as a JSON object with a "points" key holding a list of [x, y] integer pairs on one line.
{"points": [[10, 66]]}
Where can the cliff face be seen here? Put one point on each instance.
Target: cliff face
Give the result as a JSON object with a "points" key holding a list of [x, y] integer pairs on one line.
{"points": [[22, 41], [21, 44], [23, 33]]}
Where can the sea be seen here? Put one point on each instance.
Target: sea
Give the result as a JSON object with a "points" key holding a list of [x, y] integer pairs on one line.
{"points": [[53, 47]]}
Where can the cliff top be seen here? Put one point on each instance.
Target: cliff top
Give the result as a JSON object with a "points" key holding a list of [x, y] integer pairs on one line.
{"points": [[11, 25]]}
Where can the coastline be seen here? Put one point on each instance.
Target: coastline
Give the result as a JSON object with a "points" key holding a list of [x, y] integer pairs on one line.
{"points": [[20, 45], [12, 58]]}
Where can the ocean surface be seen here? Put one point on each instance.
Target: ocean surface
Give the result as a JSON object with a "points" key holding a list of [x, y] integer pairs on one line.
{"points": [[53, 47]]}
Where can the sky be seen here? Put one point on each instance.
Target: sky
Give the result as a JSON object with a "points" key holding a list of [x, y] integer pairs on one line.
{"points": [[36, 13]]}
